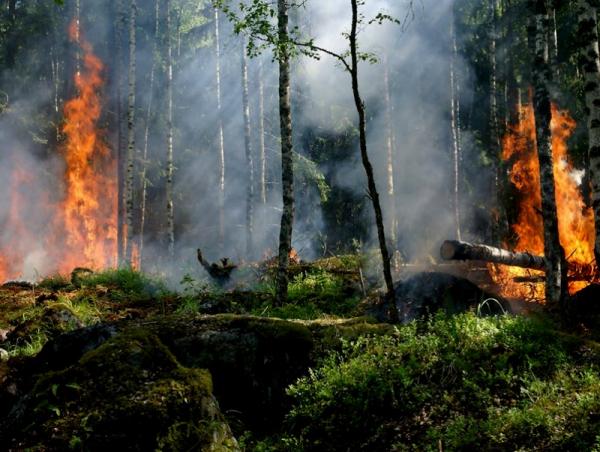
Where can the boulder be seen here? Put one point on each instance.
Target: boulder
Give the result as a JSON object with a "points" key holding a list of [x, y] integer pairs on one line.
{"points": [[130, 392]]}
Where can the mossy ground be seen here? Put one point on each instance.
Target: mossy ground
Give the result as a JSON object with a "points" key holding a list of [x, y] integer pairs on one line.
{"points": [[327, 380]]}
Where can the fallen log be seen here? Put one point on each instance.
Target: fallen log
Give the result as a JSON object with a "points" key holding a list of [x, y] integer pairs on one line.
{"points": [[455, 250]]}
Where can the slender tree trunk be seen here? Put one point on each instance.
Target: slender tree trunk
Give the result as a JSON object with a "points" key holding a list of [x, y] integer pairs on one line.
{"points": [[494, 123], [287, 152], [390, 151], [374, 195], [553, 41], [555, 258], [119, 69], [170, 164], [588, 31], [261, 132], [249, 156], [147, 133], [128, 193], [454, 112], [220, 137]]}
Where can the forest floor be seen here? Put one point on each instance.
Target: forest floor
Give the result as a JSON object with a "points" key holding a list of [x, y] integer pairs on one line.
{"points": [[115, 359]]}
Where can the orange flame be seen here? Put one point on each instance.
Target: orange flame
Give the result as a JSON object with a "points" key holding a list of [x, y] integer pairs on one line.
{"points": [[575, 220], [80, 226], [88, 212]]}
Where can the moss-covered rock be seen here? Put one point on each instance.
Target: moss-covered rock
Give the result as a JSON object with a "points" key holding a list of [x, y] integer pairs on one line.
{"points": [[131, 392], [103, 382]]}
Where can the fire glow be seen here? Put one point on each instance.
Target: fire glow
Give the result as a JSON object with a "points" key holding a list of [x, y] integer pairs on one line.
{"points": [[575, 220], [81, 227]]}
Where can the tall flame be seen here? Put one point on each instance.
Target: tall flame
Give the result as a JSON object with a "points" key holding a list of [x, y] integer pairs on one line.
{"points": [[88, 212], [77, 227], [575, 220]]}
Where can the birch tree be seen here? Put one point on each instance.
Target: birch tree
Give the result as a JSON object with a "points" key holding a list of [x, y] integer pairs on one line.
{"points": [[255, 20], [454, 123], [128, 192], [248, 148], [555, 257], [390, 150], [220, 135], [261, 135], [590, 55], [169, 163], [144, 194]]}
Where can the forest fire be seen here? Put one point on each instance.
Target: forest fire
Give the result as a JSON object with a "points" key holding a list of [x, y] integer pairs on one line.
{"points": [[80, 227], [88, 214], [575, 220]]}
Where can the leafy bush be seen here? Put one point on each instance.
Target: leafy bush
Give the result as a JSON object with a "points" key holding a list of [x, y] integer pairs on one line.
{"points": [[463, 382]]}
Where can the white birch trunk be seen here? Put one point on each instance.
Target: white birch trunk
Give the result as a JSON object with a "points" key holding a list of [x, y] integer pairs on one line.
{"points": [[170, 164]]}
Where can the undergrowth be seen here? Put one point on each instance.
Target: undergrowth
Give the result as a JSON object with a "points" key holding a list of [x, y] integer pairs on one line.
{"points": [[459, 383]]}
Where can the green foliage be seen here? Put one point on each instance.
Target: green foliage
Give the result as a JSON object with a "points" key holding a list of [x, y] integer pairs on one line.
{"points": [[469, 383], [126, 283], [307, 171]]}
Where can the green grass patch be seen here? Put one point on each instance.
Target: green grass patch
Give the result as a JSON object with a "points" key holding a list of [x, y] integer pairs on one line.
{"points": [[126, 283]]}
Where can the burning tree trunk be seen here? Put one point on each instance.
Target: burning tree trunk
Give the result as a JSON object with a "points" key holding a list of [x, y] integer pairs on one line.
{"points": [[457, 250], [144, 194], [170, 165], [128, 193], [555, 258], [248, 147], [287, 151], [220, 137], [588, 31]]}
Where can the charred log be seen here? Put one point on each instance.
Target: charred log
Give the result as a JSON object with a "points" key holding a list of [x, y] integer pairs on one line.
{"points": [[455, 250], [220, 272]]}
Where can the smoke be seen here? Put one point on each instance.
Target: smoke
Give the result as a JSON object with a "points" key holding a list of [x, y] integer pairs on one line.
{"points": [[417, 58]]}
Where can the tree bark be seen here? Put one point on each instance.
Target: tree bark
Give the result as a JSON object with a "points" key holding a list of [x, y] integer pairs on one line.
{"points": [[128, 193], [494, 123], [553, 40], [220, 137], [170, 165], [287, 152], [454, 115], [119, 70], [374, 195], [144, 164], [588, 31], [261, 132], [389, 144], [555, 258], [249, 156], [457, 250]]}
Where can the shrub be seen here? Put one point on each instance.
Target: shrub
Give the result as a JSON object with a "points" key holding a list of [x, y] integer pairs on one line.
{"points": [[467, 383]]}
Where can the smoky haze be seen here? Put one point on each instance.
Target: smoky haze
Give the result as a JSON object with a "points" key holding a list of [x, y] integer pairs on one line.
{"points": [[418, 60]]}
